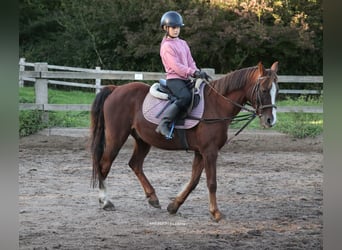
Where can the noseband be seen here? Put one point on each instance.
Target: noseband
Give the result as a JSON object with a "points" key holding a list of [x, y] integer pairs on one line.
{"points": [[259, 106]]}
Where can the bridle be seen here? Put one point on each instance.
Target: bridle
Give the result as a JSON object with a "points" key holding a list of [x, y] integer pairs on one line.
{"points": [[256, 111], [259, 106]]}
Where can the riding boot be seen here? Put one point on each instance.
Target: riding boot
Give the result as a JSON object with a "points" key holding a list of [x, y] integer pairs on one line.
{"points": [[169, 115]]}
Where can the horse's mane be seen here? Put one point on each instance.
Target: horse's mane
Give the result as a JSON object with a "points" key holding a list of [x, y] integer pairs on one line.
{"points": [[234, 80]]}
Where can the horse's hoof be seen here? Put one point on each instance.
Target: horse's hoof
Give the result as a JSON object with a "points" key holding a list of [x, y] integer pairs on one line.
{"points": [[217, 216], [108, 206], [171, 208], [154, 203]]}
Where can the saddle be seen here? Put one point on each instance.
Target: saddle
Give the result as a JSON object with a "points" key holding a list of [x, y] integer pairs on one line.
{"points": [[161, 91], [159, 97]]}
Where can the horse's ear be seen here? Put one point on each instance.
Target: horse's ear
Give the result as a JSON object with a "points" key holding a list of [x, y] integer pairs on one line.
{"points": [[274, 66], [261, 69]]}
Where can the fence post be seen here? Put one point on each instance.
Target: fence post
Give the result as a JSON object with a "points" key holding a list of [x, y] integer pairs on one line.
{"points": [[41, 89], [97, 82], [21, 69]]}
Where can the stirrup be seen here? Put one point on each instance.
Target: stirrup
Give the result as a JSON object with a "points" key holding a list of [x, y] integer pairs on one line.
{"points": [[169, 136]]}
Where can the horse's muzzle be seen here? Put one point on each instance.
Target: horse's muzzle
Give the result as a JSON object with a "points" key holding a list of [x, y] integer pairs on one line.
{"points": [[267, 121]]}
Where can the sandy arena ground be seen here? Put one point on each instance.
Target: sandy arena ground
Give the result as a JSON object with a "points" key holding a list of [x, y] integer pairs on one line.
{"points": [[270, 188]]}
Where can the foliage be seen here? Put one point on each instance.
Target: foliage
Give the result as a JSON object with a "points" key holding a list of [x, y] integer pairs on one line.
{"points": [[26, 95], [69, 119], [125, 34], [29, 122], [301, 125], [298, 125], [303, 100]]}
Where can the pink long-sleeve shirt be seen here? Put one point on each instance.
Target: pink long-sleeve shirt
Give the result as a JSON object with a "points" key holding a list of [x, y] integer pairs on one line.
{"points": [[177, 59]]}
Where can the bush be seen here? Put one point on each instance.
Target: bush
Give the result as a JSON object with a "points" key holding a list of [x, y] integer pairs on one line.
{"points": [[29, 122], [300, 125], [69, 119]]}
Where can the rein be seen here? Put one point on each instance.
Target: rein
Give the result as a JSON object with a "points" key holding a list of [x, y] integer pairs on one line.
{"points": [[249, 117]]}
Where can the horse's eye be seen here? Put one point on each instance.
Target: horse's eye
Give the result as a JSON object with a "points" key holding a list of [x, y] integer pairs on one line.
{"points": [[263, 90]]}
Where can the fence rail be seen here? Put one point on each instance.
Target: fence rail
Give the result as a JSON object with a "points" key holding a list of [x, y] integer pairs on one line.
{"points": [[43, 74]]}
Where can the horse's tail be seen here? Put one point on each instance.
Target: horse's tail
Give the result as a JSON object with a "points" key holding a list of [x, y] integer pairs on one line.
{"points": [[97, 127]]}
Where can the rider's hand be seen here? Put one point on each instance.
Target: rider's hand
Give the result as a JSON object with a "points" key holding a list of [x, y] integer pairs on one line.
{"points": [[202, 74]]}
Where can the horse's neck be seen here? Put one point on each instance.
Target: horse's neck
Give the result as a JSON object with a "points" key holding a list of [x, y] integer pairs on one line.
{"points": [[238, 96], [238, 99], [230, 103], [232, 89]]}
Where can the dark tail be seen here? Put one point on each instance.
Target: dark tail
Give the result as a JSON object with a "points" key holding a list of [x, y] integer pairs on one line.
{"points": [[98, 132]]}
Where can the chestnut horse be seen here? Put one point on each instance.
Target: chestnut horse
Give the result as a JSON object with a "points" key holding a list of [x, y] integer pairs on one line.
{"points": [[116, 113]]}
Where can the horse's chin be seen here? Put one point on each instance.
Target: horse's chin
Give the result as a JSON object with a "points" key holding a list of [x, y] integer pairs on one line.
{"points": [[265, 125]]}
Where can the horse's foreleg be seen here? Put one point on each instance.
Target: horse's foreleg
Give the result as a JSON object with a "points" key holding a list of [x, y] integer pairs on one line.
{"points": [[210, 170], [197, 168], [141, 149]]}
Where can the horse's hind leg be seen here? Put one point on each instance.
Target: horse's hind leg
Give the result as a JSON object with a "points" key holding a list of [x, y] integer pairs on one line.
{"points": [[106, 163], [141, 149], [111, 151]]}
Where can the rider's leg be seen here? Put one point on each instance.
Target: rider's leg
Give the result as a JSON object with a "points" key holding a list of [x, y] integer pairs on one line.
{"points": [[180, 90], [168, 116], [183, 94]]}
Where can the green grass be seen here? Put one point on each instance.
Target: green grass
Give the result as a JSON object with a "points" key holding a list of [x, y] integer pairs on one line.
{"points": [[27, 95], [30, 120], [299, 125]]}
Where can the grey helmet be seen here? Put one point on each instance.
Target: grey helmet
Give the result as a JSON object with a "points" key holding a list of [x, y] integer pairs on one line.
{"points": [[172, 19]]}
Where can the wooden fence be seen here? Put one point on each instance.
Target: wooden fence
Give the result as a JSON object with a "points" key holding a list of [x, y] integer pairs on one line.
{"points": [[43, 74]]}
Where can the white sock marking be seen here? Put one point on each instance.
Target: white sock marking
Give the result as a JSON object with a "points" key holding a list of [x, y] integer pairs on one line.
{"points": [[103, 193]]}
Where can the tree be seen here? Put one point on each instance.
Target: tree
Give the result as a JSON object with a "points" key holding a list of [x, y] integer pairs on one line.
{"points": [[125, 34]]}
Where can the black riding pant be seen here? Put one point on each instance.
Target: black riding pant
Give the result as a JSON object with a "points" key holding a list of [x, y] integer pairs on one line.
{"points": [[180, 90]]}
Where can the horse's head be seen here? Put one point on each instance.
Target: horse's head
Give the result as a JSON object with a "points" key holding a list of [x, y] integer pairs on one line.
{"points": [[263, 94]]}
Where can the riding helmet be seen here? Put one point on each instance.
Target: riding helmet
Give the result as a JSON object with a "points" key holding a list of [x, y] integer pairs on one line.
{"points": [[172, 19]]}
